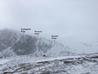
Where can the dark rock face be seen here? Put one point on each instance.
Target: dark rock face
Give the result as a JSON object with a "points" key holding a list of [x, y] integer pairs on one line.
{"points": [[22, 44], [7, 38], [26, 45]]}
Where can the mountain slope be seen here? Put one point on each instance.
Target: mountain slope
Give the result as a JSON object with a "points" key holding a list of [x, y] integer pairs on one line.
{"points": [[24, 44]]}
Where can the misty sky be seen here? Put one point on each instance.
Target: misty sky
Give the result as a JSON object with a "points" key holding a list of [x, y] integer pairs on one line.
{"points": [[70, 19]]}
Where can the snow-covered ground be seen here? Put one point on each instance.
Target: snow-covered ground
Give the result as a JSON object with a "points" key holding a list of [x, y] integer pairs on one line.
{"points": [[82, 64]]}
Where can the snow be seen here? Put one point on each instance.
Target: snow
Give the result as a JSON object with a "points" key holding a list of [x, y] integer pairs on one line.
{"points": [[29, 59], [3, 61], [53, 65]]}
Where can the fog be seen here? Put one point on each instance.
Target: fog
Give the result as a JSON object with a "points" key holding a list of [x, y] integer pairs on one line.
{"points": [[72, 20]]}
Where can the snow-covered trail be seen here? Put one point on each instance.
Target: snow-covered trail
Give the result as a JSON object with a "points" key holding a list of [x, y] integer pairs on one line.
{"points": [[34, 59]]}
